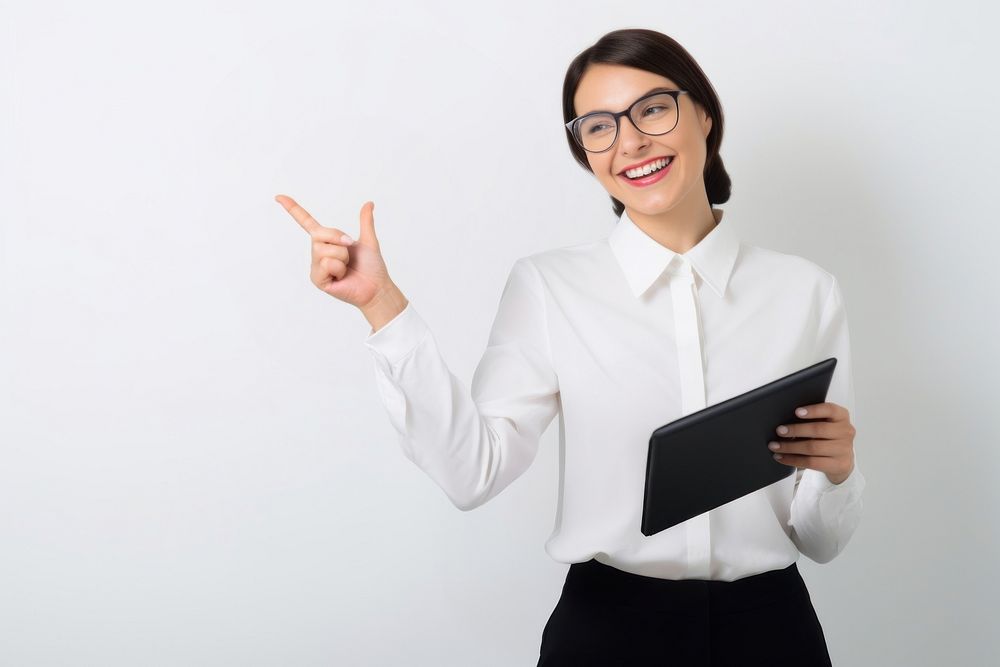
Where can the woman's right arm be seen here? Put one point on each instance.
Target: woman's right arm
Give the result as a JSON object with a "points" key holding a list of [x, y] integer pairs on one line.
{"points": [[473, 445]]}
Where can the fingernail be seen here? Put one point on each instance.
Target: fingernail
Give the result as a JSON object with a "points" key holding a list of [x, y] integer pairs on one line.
{"points": [[782, 429], [801, 412], [773, 445], [346, 239]]}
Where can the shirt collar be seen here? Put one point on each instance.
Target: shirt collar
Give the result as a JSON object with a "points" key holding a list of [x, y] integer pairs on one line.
{"points": [[643, 259]]}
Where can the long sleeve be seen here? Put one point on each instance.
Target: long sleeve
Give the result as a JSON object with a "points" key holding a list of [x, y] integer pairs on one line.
{"points": [[825, 515], [472, 445]]}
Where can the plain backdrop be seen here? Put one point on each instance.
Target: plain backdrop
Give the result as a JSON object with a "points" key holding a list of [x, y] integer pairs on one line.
{"points": [[195, 468]]}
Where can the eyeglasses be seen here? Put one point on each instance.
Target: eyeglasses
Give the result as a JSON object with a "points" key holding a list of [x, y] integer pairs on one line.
{"points": [[657, 114]]}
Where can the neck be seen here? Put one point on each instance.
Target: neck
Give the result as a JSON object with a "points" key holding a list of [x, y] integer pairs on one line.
{"points": [[680, 228]]}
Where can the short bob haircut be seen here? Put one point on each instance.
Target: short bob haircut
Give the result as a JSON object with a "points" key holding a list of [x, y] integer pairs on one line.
{"points": [[658, 53]]}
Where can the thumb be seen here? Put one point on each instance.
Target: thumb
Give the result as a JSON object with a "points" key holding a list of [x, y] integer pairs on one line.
{"points": [[368, 224]]}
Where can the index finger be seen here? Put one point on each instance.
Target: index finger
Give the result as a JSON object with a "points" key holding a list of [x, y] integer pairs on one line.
{"points": [[306, 221], [829, 410]]}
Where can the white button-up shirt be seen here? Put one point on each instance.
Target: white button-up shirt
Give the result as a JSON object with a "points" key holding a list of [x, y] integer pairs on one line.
{"points": [[618, 337]]}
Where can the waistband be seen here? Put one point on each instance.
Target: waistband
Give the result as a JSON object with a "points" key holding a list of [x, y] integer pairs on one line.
{"points": [[596, 581]]}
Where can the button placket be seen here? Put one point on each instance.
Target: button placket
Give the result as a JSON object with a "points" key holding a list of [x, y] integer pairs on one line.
{"points": [[692, 375]]}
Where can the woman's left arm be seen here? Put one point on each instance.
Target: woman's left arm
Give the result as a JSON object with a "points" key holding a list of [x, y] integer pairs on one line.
{"points": [[826, 505]]}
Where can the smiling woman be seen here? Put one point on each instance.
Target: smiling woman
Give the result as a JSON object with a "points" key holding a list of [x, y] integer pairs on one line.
{"points": [[669, 313]]}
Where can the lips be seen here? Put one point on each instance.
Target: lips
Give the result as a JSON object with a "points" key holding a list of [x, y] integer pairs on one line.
{"points": [[649, 179]]}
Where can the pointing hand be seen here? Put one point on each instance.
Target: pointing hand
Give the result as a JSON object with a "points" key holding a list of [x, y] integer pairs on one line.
{"points": [[352, 271]]}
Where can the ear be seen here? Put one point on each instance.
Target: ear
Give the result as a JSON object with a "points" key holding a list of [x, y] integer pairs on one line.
{"points": [[706, 123]]}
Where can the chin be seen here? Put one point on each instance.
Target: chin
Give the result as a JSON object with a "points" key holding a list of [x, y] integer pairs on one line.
{"points": [[646, 207]]}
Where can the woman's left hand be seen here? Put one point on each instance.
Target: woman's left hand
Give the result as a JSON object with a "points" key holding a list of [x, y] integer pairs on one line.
{"points": [[826, 444]]}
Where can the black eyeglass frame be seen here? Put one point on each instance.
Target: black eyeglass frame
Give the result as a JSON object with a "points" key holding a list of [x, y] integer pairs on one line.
{"points": [[573, 126]]}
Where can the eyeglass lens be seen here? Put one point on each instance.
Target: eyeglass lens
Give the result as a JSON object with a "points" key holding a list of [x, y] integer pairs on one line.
{"points": [[654, 115]]}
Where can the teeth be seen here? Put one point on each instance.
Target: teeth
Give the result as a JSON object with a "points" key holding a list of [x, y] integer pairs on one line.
{"points": [[649, 168]]}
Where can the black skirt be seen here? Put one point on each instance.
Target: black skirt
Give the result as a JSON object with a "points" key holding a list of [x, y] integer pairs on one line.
{"points": [[606, 616]]}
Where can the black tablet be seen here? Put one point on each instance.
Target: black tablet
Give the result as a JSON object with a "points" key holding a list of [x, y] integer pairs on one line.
{"points": [[718, 454]]}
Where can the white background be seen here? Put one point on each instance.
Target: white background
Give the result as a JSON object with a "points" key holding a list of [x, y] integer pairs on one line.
{"points": [[195, 468]]}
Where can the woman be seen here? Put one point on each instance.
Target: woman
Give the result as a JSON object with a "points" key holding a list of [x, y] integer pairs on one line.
{"points": [[668, 314]]}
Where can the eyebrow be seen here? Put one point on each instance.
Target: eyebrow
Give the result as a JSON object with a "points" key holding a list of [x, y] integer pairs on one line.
{"points": [[651, 90]]}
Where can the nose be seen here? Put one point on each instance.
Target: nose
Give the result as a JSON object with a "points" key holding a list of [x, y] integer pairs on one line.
{"points": [[630, 139]]}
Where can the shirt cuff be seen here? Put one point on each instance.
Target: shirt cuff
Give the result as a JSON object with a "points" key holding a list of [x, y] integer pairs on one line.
{"points": [[854, 482], [399, 336]]}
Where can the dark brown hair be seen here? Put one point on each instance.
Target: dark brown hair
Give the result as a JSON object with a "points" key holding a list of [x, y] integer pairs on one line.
{"points": [[658, 53]]}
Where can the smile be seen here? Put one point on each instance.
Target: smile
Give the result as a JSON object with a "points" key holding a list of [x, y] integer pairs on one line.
{"points": [[650, 178]]}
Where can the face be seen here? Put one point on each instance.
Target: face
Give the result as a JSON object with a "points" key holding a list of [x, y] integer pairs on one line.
{"points": [[613, 88]]}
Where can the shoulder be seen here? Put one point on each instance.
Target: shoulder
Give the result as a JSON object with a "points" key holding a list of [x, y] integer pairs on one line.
{"points": [[568, 260], [787, 268]]}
